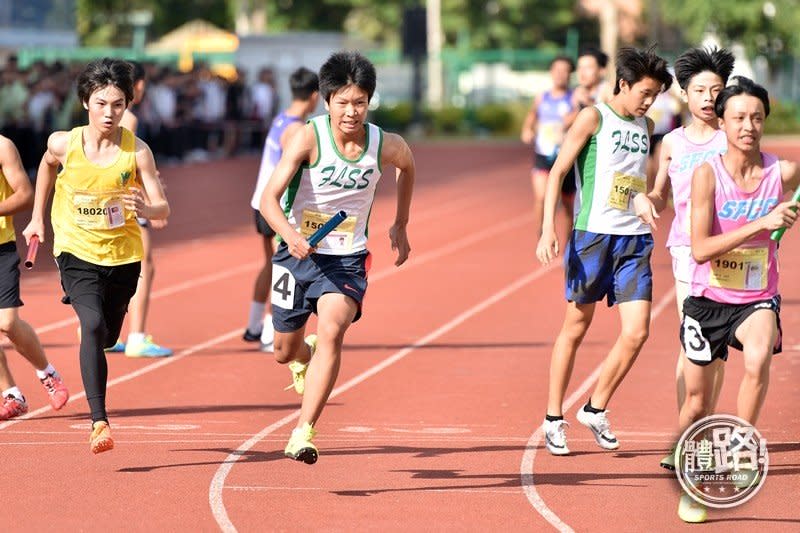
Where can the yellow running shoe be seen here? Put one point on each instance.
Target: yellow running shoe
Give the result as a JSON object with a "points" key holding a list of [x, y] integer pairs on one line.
{"points": [[690, 511], [100, 440], [299, 369], [300, 447], [668, 461]]}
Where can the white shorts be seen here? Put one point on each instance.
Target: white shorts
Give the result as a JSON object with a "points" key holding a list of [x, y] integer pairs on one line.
{"points": [[681, 263]]}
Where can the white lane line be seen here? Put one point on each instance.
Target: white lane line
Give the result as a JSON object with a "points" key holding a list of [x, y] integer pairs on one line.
{"points": [[215, 499], [135, 374], [257, 488], [527, 479], [433, 254]]}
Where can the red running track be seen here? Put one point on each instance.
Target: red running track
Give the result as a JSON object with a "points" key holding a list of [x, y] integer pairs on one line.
{"points": [[434, 422]]}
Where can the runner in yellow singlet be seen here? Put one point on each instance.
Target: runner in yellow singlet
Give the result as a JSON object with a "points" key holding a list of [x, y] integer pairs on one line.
{"points": [[97, 242]]}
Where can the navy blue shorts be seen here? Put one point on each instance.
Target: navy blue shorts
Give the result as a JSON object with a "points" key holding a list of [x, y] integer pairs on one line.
{"points": [[616, 267], [297, 285]]}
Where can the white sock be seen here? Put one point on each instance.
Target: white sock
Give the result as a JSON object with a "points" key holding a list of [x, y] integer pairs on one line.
{"points": [[15, 392], [41, 374], [267, 333], [135, 338], [256, 320]]}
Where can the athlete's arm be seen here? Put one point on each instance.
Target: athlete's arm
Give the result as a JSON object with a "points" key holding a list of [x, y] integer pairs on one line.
{"points": [[150, 203], [397, 153], [301, 149], [528, 132], [661, 184], [705, 246], [11, 165], [643, 204], [577, 136], [790, 175], [54, 156]]}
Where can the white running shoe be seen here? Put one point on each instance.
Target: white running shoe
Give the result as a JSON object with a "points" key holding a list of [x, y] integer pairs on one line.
{"points": [[600, 426], [555, 436]]}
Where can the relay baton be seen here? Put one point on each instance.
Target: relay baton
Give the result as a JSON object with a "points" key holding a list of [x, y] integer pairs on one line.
{"points": [[33, 247], [326, 228], [778, 233]]}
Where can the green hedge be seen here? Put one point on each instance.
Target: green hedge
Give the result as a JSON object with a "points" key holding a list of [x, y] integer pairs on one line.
{"points": [[784, 117], [490, 119]]}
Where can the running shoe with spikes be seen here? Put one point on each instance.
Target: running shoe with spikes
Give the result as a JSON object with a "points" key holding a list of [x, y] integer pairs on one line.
{"points": [[690, 511], [56, 390], [668, 461], [555, 436], [13, 407], [100, 440], [600, 426], [298, 369], [300, 447]]}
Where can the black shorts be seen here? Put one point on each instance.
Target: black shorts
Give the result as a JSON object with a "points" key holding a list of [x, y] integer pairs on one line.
{"points": [[104, 289], [9, 276], [544, 163], [298, 284], [262, 226], [709, 327]]}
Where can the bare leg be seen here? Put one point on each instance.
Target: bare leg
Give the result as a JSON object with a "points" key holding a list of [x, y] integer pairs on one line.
{"points": [[336, 313], [635, 318], [576, 322], [757, 334], [23, 337]]}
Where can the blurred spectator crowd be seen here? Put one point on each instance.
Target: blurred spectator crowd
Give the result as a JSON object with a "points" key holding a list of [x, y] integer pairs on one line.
{"points": [[192, 116]]}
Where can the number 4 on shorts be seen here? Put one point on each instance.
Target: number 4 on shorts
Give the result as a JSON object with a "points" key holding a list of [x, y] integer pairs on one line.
{"points": [[283, 284]]}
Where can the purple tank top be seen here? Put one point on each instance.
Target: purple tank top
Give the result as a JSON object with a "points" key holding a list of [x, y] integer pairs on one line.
{"points": [[750, 272], [271, 155], [550, 123]]}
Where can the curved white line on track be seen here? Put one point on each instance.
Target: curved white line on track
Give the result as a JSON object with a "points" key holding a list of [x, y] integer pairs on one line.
{"points": [[210, 278], [215, 499], [527, 478]]}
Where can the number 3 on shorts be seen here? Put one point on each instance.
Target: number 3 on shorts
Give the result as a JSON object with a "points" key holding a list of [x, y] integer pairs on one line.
{"points": [[695, 344], [283, 284]]}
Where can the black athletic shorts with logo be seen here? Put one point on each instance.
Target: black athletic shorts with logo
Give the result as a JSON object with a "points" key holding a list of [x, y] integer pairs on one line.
{"points": [[709, 328], [9, 276]]}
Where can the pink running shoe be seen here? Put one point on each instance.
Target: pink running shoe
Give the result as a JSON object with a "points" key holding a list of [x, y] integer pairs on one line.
{"points": [[12, 407], [56, 390]]}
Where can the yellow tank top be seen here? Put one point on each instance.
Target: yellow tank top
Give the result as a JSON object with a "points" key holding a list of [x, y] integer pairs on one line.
{"points": [[7, 222], [88, 216]]}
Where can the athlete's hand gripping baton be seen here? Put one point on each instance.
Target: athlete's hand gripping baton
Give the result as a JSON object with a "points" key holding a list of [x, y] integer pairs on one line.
{"points": [[778, 233], [326, 228], [33, 248]]}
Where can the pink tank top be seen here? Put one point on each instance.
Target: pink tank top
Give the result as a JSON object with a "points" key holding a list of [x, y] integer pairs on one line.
{"points": [[686, 157], [750, 272]]}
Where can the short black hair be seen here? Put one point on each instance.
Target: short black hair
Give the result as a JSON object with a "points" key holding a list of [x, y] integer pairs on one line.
{"points": [[138, 71], [346, 68], [303, 83], [566, 59], [634, 64], [102, 73], [741, 85], [599, 56], [696, 60]]}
